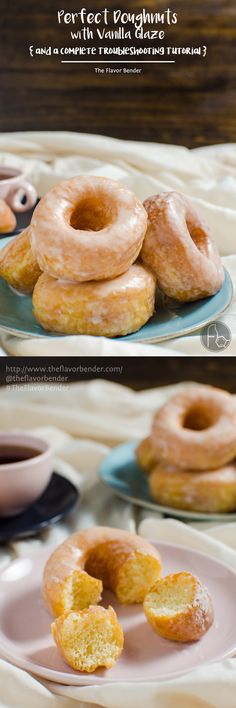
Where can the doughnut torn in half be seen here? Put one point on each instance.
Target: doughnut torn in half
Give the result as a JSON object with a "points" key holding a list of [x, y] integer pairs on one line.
{"points": [[89, 639]]}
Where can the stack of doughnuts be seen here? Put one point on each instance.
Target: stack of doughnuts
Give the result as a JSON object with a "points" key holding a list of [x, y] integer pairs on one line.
{"points": [[79, 257], [85, 235], [190, 455]]}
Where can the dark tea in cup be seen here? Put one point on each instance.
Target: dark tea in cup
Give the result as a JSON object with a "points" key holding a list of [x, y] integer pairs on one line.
{"points": [[11, 455]]}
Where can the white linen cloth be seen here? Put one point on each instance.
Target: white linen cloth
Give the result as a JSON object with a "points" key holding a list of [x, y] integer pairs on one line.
{"points": [[83, 422], [207, 175]]}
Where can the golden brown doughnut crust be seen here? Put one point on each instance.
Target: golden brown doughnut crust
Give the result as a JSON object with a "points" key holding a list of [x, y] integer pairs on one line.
{"points": [[190, 607], [196, 429], [18, 265], [76, 571], [145, 456], [110, 308], [7, 218], [213, 491], [180, 249]]}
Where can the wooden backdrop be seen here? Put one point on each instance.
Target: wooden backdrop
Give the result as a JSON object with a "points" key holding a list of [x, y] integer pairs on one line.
{"points": [[190, 102]]}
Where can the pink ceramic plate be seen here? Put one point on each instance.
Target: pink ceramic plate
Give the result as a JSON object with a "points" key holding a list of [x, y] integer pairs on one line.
{"points": [[25, 638]]}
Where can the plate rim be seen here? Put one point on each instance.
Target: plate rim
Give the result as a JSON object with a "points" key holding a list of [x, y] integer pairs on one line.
{"points": [[196, 328], [186, 331], [152, 505], [46, 674]]}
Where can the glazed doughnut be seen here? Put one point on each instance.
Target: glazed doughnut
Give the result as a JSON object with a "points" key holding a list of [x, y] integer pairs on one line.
{"points": [[108, 308], [7, 218], [213, 491], [145, 456], [76, 571], [180, 249], [89, 639], [196, 429], [179, 608], [88, 228], [18, 265]]}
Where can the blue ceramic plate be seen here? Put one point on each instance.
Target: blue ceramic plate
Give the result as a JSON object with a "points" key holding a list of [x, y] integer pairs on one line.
{"points": [[171, 321], [120, 471], [56, 502]]}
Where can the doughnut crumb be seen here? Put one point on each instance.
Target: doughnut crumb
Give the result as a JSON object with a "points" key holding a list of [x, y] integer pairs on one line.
{"points": [[89, 639], [179, 608], [79, 590], [135, 578]]}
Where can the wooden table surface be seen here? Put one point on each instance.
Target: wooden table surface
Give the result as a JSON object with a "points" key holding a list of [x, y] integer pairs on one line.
{"points": [[192, 102]]}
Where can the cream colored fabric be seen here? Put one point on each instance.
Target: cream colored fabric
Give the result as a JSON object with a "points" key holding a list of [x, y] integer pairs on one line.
{"points": [[83, 422], [206, 175], [80, 345]]}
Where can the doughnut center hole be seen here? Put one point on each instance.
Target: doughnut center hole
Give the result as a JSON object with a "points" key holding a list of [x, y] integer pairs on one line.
{"points": [[93, 213], [198, 236], [197, 418]]}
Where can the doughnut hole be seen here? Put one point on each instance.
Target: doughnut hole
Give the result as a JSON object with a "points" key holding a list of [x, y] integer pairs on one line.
{"points": [[129, 575], [198, 418], [130, 580], [198, 235], [93, 212], [199, 238]]}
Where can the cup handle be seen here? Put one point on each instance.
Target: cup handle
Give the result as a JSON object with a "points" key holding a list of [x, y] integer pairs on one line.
{"points": [[15, 197]]}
